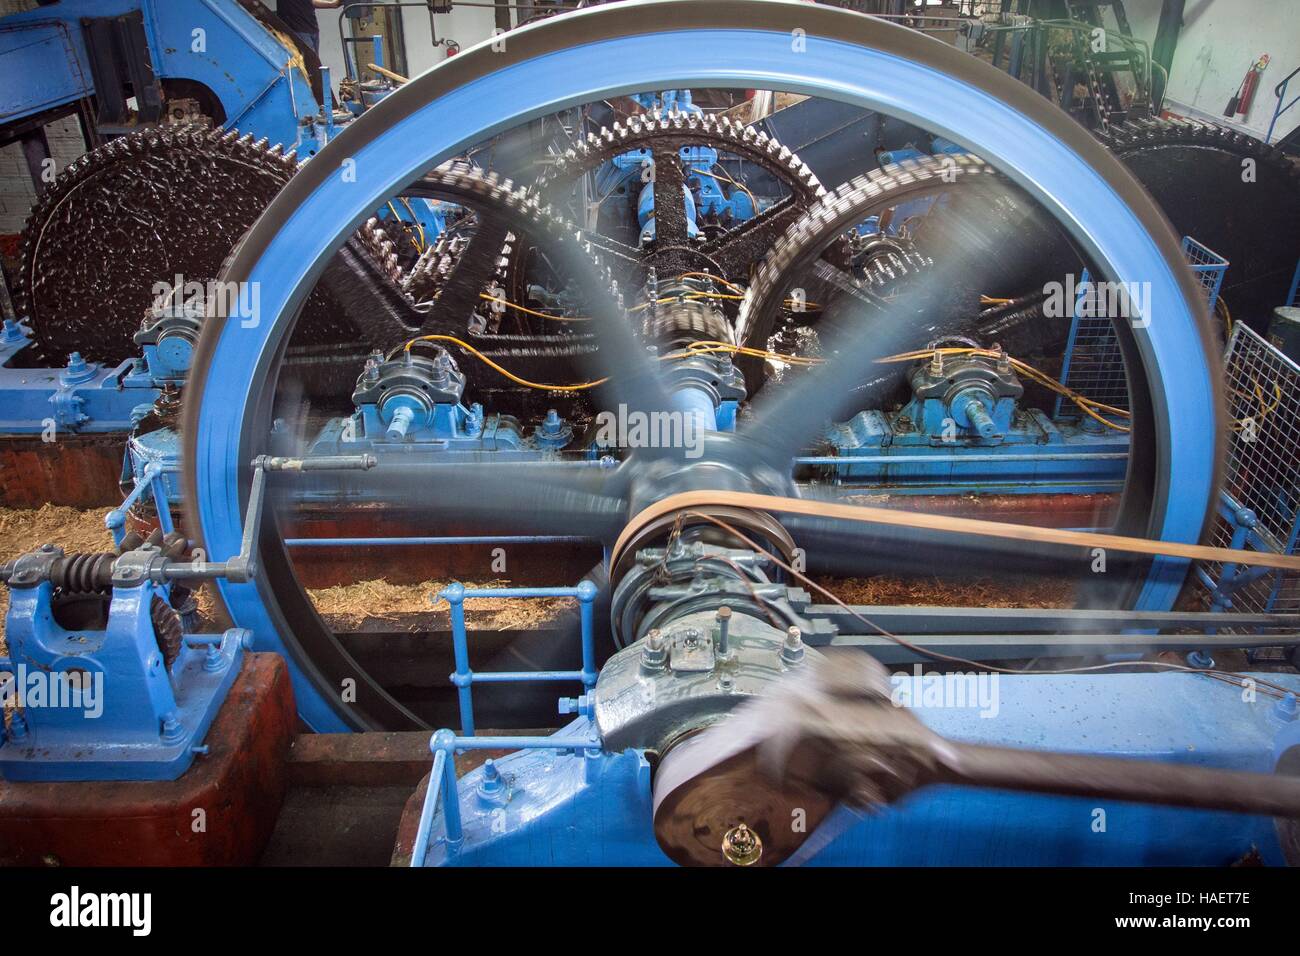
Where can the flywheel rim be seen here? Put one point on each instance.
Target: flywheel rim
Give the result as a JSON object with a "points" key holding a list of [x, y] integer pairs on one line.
{"points": [[800, 48]]}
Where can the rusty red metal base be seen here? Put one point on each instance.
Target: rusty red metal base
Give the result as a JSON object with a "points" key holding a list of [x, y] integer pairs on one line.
{"points": [[79, 471], [238, 785]]}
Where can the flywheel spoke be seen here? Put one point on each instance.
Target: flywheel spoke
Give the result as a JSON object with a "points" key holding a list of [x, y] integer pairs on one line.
{"points": [[861, 331], [543, 498]]}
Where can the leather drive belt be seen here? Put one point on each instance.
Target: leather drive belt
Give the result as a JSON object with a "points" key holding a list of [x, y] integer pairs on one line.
{"points": [[867, 514]]}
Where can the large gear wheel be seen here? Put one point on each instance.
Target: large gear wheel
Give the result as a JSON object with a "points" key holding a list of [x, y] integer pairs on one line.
{"points": [[731, 249], [808, 255], [149, 207], [448, 282], [1233, 193]]}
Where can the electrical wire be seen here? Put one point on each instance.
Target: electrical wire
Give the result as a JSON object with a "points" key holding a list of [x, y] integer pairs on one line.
{"points": [[541, 386], [527, 311], [397, 219], [725, 178], [1085, 404], [424, 240]]}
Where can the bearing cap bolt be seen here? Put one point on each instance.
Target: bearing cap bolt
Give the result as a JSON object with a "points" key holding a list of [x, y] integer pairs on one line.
{"points": [[792, 649], [491, 785], [655, 653], [552, 424], [172, 728]]}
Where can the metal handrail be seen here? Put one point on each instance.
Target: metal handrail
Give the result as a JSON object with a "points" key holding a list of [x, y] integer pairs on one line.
{"points": [[464, 677], [1280, 92]]}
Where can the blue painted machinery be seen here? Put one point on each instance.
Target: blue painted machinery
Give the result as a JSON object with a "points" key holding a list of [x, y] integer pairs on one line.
{"points": [[105, 683], [222, 58], [718, 646], [708, 605]]}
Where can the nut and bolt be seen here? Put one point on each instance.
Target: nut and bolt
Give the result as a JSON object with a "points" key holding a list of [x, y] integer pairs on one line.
{"points": [[792, 649], [655, 654]]}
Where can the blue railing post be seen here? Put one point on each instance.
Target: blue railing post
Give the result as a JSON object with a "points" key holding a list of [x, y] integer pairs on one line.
{"points": [[1278, 109], [444, 786], [1243, 522], [420, 849], [463, 677], [586, 598], [445, 741], [442, 783]]}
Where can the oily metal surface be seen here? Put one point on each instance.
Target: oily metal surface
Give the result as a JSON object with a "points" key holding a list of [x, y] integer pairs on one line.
{"points": [[1231, 192], [709, 785], [137, 213]]}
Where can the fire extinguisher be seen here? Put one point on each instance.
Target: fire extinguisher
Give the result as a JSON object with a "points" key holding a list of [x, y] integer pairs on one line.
{"points": [[1245, 95]]}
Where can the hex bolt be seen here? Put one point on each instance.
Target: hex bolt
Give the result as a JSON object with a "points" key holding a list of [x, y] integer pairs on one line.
{"points": [[654, 655], [1003, 359], [724, 629], [17, 725], [491, 785], [792, 649], [213, 660], [582, 706], [172, 728]]}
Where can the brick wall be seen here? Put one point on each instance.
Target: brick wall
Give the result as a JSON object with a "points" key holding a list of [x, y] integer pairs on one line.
{"points": [[16, 191]]}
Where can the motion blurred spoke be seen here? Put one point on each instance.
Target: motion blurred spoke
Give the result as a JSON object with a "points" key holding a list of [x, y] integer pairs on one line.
{"points": [[543, 498], [856, 335]]}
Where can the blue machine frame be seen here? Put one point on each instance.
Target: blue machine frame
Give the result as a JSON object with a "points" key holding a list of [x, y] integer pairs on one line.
{"points": [[567, 800], [564, 801], [262, 86]]}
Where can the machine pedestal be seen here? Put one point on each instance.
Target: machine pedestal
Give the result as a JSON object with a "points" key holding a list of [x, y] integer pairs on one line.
{"points": [[220, 812]]}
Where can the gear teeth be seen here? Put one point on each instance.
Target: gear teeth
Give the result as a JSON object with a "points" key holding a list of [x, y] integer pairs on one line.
{"points": [[159, 155], [833, 212]]}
